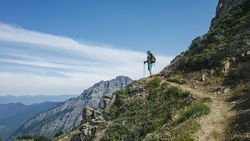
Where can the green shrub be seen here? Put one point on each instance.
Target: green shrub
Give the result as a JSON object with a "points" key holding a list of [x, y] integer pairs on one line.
{"points": [[120, 97], [177, 79], [175, 92], [147, 127], [41, 138], [197, 109], [208, 52], [154, 83], [185, 131], [164, 86], [57, 134], [114, 133], [152, 137], [25, 137], [240, 126], [135, 118], [154, 94], [214, 80], [206, 100]]}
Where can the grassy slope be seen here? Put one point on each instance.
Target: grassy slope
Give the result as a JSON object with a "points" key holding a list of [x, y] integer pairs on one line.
{"points": [[229, 37], [160, 113]]}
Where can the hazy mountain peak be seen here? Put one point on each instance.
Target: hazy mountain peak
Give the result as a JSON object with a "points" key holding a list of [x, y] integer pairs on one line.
{"points": [[68, 114]]}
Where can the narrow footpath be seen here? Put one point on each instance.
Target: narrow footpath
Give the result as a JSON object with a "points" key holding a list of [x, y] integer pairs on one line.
{"points": [[213, 126]]}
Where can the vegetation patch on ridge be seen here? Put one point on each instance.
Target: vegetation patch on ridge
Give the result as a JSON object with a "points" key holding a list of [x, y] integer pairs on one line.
{"points": [[151, 116], [220, 42]]}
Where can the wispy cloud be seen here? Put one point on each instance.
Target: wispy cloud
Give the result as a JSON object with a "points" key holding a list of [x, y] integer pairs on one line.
{"points": [[78, 64]]}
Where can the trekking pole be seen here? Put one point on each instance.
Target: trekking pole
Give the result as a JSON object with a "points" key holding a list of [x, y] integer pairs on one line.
{"points": [[144, 73]]}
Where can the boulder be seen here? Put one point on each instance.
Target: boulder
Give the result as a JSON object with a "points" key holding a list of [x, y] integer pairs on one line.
{"points": [[222, 91], [211, 73], [88, 133], [226, 66], [75, 138], [203, 77], [106, 101], [87, 114], [137, 88]]}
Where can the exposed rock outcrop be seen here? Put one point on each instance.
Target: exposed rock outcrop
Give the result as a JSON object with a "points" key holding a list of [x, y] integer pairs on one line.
{"points": [[226, 66], [91, 119], [69, 114]]}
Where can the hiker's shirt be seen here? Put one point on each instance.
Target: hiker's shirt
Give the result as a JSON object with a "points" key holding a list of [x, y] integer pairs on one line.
{"points": [[149, 58]]}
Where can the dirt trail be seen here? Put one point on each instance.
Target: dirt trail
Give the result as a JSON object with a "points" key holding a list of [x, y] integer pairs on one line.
{"points": [[213, 126]]}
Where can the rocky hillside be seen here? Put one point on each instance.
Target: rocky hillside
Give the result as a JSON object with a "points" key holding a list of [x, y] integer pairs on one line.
{"points": [[68, 115], [220, 60], [204, 94], [226, 45], [148, 109]]}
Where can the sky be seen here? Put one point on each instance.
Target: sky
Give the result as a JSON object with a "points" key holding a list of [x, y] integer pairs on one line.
{"points": [[62, 47]]}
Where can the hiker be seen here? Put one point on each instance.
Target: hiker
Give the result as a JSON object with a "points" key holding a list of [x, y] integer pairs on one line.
{"points": [[150, 60]]}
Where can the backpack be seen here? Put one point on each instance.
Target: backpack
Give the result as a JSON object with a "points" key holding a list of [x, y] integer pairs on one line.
{"points": [[153, 60]]}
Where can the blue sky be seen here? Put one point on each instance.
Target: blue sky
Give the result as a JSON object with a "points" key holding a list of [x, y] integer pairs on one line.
{"points": [[61, 47]]}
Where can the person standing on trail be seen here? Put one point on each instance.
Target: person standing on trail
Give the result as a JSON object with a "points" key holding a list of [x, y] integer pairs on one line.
{"points": [[150, 60]]}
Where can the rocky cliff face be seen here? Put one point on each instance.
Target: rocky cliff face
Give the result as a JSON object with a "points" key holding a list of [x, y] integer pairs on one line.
{"points": [[68, 115], [96, 93]]}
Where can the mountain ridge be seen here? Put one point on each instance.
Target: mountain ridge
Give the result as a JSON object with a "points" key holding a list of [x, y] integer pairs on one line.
{"points": [[13, 115], [68, 114], [28, 100]]}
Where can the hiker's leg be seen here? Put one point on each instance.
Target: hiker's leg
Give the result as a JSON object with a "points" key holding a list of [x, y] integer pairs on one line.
{"points": [[150, 66]]}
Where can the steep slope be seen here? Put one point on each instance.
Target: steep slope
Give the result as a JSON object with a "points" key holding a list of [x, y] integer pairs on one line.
{"points": [[13, 115], [226, 42], [220, 60], [215, 72], [148, 109], [159, 112], [68, 115], [215, 125]]}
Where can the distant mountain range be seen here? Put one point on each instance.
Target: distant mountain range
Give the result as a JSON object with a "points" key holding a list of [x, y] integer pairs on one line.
{"points": [[13, 115], [68, 115], [27, 100]]}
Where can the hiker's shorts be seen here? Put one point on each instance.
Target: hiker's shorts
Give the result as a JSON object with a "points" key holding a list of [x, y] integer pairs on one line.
{"points": [[150, 66]]}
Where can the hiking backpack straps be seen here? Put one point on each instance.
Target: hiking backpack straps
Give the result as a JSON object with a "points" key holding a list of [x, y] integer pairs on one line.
{"points": [[153, 60]]}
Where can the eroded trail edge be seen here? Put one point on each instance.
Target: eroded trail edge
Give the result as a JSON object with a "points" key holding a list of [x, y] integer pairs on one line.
{"points": [[213, 126]]}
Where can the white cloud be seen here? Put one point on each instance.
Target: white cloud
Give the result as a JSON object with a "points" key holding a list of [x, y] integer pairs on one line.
{"points": [[29, 84], [90, 63]]}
